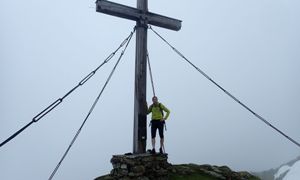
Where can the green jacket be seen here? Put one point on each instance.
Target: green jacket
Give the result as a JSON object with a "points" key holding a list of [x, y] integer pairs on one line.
{"points": [[156, 111]]}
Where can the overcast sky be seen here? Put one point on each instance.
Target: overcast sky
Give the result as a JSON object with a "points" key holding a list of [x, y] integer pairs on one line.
{"points": [[250, 47]]}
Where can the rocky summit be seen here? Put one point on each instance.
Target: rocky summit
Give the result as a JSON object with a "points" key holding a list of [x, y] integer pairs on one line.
{"points": [[156, 167], [206, 172]]}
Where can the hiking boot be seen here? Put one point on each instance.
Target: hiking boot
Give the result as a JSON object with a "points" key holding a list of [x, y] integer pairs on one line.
{"points": [[153, 151], [161, 151]]}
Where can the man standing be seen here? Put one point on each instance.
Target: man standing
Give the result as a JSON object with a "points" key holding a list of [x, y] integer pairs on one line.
{"points": [[157, 122]]}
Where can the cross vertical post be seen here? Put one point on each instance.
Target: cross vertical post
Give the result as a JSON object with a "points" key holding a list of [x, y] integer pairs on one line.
{"points": [[140, 108]]}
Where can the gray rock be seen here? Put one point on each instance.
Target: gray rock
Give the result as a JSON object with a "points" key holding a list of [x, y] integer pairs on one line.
{"points": [[215, 174], [123, 166], [138, 169]]}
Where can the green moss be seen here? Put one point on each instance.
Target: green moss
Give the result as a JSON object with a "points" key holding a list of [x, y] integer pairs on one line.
{"points": [[191, 177], [189, 172], [206, 172]]}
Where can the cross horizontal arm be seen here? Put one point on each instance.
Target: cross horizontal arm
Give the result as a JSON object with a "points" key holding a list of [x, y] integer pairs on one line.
{"points": [[135, 14], [164, 22]]}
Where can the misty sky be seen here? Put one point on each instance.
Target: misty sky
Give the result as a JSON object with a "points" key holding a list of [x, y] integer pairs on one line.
{"points": [[250, 47]]}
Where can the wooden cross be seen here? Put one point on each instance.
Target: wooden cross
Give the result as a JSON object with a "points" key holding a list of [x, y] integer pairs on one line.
{"points": [[142, 17]]}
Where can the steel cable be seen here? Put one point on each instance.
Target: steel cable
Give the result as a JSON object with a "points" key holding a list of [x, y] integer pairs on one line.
{"points": [[150, 72], [91, 110], [48, 109], [225, 91]]}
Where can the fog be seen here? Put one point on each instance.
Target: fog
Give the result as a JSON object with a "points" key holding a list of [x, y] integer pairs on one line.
{"points": [[251, 48]]}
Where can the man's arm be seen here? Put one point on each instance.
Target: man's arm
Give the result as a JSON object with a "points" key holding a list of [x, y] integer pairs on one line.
{"points": [[149, 109], [166, 110]]}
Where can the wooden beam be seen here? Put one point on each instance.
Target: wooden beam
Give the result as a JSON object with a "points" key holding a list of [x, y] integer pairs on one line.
{"points": [[118, 10], [140, 109], [163, 21], [135, 14]]}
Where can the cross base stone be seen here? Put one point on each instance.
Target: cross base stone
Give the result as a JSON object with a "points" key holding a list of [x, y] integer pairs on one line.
{"points": [[138, 166]]}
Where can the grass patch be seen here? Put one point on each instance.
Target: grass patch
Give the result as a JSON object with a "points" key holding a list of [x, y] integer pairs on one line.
{"points": [[192, 177]]}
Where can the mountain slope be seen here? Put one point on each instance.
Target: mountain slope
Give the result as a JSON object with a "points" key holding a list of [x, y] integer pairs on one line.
{"points": [[206, 172], [194, 172], [287, 171]]}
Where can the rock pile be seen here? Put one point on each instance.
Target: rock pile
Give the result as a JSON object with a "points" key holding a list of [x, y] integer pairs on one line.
{"points": [[141, 166], [156, 167]]}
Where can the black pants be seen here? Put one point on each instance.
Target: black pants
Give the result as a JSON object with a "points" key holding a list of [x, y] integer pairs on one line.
{"points": [[157, 124]]}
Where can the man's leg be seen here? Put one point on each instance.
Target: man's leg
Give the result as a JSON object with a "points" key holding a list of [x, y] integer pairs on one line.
{"points": [[153, 143], [161, 142], [153, 135], [161, 135]]}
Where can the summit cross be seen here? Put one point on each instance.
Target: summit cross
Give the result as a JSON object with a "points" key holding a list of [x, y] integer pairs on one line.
{"points": [[142, 17]]}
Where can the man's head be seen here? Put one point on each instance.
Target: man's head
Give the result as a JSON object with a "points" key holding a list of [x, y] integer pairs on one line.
{"points": [[155, 100]]}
